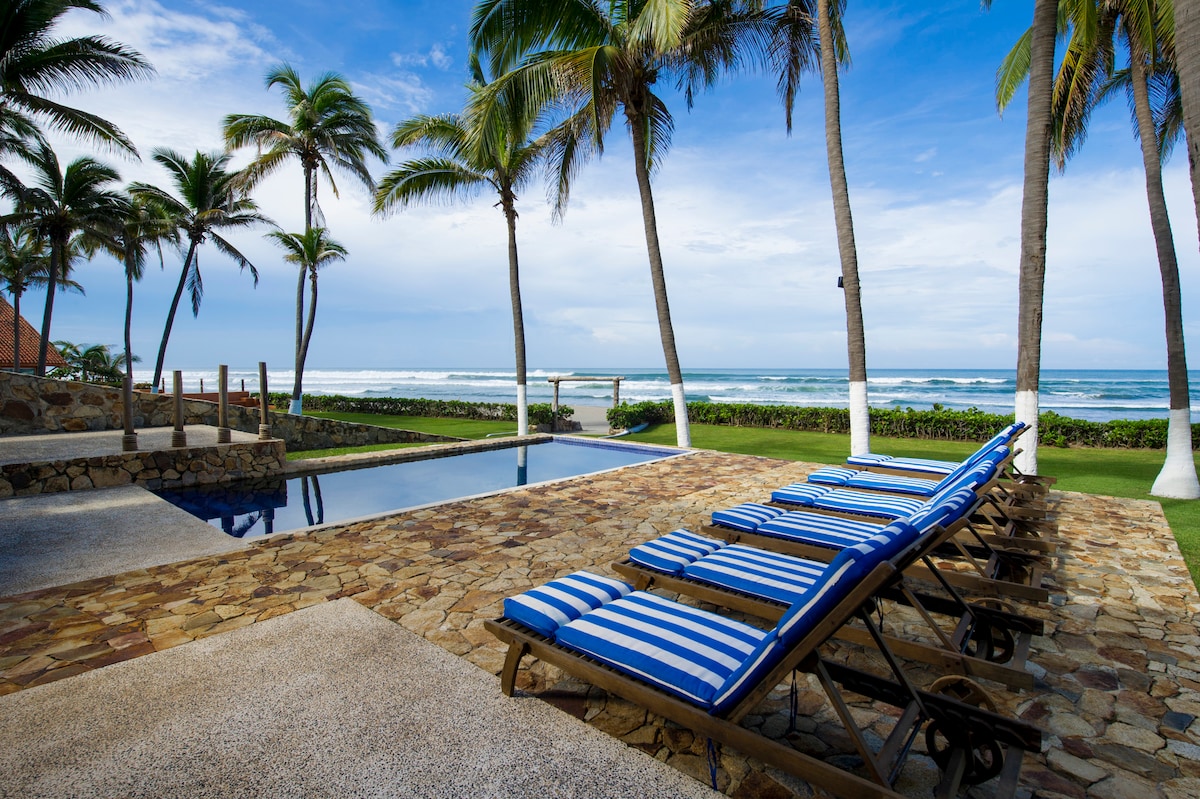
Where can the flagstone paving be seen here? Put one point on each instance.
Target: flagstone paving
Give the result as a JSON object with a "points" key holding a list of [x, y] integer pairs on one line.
{"points": [[1118, 682]]}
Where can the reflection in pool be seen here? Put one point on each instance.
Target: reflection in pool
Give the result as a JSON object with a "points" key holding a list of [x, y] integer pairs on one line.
{"points": [[263, 507]]}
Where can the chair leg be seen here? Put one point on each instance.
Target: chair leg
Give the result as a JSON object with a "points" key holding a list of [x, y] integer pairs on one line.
{"points": [[512, 662]]}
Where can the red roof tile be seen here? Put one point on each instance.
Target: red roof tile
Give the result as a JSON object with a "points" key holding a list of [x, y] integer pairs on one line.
{"points": [[30, 338]]}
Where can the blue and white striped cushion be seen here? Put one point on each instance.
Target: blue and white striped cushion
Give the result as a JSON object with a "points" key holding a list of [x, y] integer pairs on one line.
{"points": [[832, 476], [819, 529], [933, 468], [757, 572], [916, 486], [836, 581], [684, 650], [745, 517], [548, 607], [883, 506], [945, 509], [798, 494], [673, 551]]}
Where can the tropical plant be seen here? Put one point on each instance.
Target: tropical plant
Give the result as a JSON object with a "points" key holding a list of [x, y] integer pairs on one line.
{"points": [[1087, 77], [489, 147], [329, 127], [608, 58], [24, 264], [310, 251], [90, 364], [34, 64], [209, 201], [59, 204], [1034, 221]]}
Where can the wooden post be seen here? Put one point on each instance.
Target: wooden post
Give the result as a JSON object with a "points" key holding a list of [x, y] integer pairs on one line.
{"points": [[202, 385], [264, 427], [178, 436], [554, 409], [129, 440], [223, 435], [616, 391]]}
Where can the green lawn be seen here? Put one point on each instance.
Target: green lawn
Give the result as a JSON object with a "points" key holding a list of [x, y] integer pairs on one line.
{"points": [[1112, 472]]}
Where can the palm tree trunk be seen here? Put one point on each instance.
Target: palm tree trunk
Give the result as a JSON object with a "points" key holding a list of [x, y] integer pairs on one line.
{"points": [[162, 348], [514, 292], [128, 317], [1178, 476], [297, 404], [683, 434], [56, 253], [856, 340], [16, 331], [1187, 63], [308, 327], [1034, 210]]}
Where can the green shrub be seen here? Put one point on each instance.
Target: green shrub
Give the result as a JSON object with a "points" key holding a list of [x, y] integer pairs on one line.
{"points": [[937, 423], [539, 412]]}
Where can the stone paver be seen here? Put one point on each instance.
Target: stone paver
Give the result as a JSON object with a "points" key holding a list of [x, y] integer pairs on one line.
{"points": [[1118, 690]]}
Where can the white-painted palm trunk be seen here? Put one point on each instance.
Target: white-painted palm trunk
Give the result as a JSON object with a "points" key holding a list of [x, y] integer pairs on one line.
{"points": [[860, 419], [1027, 412], [522, 412], [683, 431], [1177, 480], [296, 407]]}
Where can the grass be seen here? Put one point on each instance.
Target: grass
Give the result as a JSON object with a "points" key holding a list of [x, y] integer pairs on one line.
{"points": [[325, 453], [1110, 472]]}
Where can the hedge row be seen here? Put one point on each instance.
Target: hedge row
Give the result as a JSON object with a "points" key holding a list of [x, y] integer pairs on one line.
{"points": [[539, 412], [937, 423]]}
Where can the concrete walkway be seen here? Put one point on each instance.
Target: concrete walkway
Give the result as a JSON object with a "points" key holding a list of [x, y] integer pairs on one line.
{"points": [[69, 446], [331, 701]]}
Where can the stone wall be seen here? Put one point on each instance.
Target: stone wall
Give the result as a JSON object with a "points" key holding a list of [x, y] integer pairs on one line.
{"points": [[184, 466], [31, 405]]}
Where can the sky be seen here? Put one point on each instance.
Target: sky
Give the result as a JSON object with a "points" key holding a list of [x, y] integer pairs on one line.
{"points": [[744, 210]]}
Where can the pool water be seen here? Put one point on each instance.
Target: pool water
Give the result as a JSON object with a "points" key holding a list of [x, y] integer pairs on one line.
{"points": [[263, 507]]}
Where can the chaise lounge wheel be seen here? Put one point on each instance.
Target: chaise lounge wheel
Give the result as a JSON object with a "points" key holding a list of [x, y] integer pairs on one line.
{"points": [[985, 758], [990, 642]]}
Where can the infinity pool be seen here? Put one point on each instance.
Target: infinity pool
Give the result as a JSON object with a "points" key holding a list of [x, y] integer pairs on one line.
{"points": [[263, 507]]}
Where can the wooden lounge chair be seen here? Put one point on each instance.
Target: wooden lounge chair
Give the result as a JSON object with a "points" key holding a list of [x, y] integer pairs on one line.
{"points": [[1028, 485], [706, 672]]}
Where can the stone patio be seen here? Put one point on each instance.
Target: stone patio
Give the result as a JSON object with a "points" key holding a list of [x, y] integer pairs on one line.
{"points": [[1118, 690]]}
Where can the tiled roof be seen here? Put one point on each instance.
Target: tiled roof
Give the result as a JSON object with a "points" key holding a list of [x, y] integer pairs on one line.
{"points": [[30, 338]]}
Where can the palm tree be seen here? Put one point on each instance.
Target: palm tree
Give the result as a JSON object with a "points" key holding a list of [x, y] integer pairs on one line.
{"points": [[34, 63], [609, 58], [1187, 59], [24, 264], [490, 147], [60, 204], [309, 250], [329, 127], [833, 52], [209, 200], [1034, 215], [93, 363], [1087, 77]]}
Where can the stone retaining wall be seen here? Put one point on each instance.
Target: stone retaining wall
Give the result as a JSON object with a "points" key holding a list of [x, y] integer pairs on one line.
{"points": [[184, 466], [32, 405]]}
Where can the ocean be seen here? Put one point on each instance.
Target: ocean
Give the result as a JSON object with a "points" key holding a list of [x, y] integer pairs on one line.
{"points": [[1097, 395]]}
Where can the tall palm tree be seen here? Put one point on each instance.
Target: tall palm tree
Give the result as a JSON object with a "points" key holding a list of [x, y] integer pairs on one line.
{"points": [[34, 63], [609, 57], [489, 147], [59, 204], [144, 226], [1187, 59], [24, 264], [1035, 201], [833, 53], [209, 200], [309, 250], [329, 127], [1086, 77]]}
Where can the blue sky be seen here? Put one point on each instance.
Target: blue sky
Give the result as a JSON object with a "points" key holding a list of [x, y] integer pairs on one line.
{"points": [[744, 210]]}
